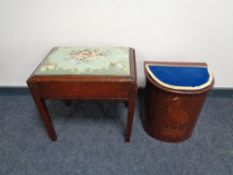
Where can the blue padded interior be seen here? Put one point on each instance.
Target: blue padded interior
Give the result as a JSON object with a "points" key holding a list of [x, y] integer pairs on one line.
{"points": [[180, 76]]}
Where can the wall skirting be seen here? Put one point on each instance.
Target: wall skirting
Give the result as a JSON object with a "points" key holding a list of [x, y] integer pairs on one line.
{"points": [[221, 92], [13, 90], [215, 92]]}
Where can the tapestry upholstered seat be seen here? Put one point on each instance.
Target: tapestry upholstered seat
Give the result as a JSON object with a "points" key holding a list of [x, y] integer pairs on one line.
{"points": [[86, 61]]}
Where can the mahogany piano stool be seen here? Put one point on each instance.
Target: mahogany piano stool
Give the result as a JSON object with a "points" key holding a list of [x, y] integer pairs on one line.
{"points": [[69, 73]]}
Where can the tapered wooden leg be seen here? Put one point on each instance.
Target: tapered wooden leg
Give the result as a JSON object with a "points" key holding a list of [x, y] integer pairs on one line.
{"points": [[131, 106], [40, 103], [68, 102]]}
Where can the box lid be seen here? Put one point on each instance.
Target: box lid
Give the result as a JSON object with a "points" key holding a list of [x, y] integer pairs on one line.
{"points": [[180, 77]]}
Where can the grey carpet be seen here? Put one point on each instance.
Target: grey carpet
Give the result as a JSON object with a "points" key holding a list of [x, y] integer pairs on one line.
{"points": [[91, 141]]}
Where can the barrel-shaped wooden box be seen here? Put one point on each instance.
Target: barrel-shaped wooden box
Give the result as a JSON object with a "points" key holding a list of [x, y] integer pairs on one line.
{"points": [[174, 96]]}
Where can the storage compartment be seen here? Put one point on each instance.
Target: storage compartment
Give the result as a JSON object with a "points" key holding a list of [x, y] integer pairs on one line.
{"points": [[174, 96]]}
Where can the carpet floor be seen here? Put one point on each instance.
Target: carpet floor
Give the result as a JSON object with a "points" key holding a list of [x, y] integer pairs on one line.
{"points": [[91, 140]]}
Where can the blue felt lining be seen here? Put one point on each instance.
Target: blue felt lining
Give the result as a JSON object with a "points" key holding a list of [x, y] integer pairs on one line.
{"points": [[181, 76]]}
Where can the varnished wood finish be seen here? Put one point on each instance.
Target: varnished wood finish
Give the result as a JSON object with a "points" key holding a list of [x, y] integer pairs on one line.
{"points": [[170, 115], [40, 103], [68, 87]]}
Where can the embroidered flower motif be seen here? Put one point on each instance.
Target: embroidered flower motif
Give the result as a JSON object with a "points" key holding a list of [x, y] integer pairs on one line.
{"points": [[86, 54], [50, 67], [119, 66], [43, 68]]}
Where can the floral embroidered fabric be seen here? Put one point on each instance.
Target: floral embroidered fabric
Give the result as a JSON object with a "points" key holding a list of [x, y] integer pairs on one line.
{"points": [[86, 61]]}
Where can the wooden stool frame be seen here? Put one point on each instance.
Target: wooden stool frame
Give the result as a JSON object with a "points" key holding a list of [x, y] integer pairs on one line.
{"points": [[70, 87]]}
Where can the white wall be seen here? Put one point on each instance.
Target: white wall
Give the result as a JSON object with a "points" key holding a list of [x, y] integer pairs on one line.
{"points": [[183, 30]]}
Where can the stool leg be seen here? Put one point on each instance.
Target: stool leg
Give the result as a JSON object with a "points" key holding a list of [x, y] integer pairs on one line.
{"points": [[40, 103], [131, 105]]}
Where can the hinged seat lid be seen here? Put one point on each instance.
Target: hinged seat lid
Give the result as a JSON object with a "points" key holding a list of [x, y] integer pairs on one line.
{"points": [[106, 61], [180, 77]]}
